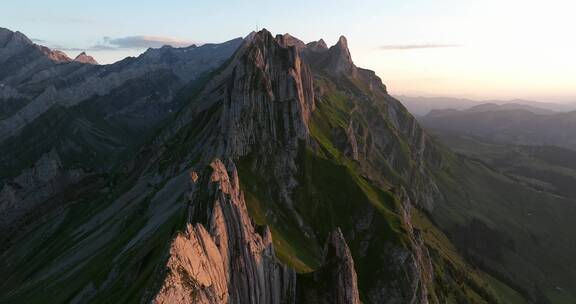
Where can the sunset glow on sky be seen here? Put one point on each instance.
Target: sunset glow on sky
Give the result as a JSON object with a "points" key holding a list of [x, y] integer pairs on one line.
{"points": [[463, 48]]}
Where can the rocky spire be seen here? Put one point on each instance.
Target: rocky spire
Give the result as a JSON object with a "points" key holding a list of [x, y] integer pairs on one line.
{"points": [[340, 59], [84, 58], [338, 261], [264, 80], [335, 282], [221, 257]]}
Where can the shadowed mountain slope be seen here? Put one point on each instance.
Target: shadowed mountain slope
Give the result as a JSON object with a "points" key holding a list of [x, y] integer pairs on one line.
{"points": [[288, 175]]}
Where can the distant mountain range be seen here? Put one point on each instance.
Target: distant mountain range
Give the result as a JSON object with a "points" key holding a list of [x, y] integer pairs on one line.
{"points": [[96, 112], [509, 123], [259, 170], [534, 145], [547, 168], [420, 106]]}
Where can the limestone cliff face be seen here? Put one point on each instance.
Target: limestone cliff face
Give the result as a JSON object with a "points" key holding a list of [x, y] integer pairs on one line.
{"points": [[222, 257], [335, 282], [380, 133], [228, 261], [195, 270], [339, 264], [416, 261], [264, 98], [340, 58], [260, 106]]}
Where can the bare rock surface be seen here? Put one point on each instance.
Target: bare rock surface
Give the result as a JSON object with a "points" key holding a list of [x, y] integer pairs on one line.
{"points": [[228, 261], [84, 58], [196, 270], [335, 282]]}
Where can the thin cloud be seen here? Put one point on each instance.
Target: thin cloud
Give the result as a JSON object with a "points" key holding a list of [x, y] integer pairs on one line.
{"points": [[141, 42], [61, 47], [125, 43], [401, 47]]}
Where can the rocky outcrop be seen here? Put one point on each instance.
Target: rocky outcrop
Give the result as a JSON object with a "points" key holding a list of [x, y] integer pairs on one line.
{"points": [[335, 282], [22, 193], [339, 264], [352, 148], [222, 258], [266, 98], [405, 274], [84, 58], [340, 58], [418, 264], [260, 106], [228, 261], [195, 270]]}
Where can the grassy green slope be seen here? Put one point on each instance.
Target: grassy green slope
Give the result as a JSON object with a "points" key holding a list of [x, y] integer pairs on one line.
{"points": [[103, 239], [547, 168], [518, 234], [524, 222], [333, 192]]}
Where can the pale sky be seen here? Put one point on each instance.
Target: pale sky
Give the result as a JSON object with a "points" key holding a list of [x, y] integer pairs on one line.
{"points": [[480, 49]]}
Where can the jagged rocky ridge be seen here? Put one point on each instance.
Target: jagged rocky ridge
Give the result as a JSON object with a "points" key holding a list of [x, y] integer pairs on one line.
{"points": [[222, 258], [324, 171], [84, 116], [335, 282], [265, 80], [259, 112]]}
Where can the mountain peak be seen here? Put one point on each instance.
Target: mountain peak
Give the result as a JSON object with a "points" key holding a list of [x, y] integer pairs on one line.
{"points": [[15, 42], [319, 45], [250, 36], [7, 36], [262, 36], [84, 58], [262, 33], [341, 60], [54, 55], [289, 40], [342, 42]]}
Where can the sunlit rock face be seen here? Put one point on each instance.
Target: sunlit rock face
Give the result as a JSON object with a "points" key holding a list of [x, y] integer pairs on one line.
{"points": [[85, 58], [222, 258]]}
